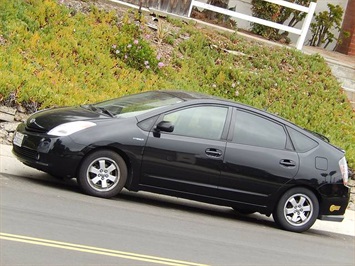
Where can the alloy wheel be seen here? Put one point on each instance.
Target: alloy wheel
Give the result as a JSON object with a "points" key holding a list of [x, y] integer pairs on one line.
{"points": [[103, 174], [298, 209]]}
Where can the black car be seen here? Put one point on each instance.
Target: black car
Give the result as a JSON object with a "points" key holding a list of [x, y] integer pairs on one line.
{"points": [[193, 146]]}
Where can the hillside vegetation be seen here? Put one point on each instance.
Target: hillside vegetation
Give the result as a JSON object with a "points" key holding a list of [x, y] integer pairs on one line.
{"points": [[52, 55]]}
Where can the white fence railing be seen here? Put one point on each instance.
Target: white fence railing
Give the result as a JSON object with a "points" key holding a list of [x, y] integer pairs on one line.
{"points": [[301, 32]]}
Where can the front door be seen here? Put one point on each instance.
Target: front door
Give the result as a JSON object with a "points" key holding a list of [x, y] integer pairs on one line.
{"points": [[189, 158]]}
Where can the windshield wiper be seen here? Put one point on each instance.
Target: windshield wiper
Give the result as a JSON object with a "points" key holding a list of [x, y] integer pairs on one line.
{"points": [[95, 109], [105, 111], [89, 106]]}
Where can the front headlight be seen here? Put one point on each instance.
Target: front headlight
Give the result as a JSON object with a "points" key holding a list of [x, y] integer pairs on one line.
{"points": [[70, 128]]}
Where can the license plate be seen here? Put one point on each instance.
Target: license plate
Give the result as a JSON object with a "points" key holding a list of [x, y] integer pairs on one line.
{"points": [[18, 139]]}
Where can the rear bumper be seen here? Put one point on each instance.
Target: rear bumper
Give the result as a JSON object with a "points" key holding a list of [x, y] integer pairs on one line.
{"points": [[332, 208], [332, 218]]}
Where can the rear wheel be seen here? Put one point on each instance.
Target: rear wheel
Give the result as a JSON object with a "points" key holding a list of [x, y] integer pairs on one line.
{"points": [[103, 174], [297, 210]]}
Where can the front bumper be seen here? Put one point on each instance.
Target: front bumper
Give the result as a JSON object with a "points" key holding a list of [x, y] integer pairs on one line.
{"points": [[58, 156]]}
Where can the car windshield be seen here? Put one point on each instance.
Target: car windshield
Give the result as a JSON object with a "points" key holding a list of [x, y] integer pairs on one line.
{"points": [[135, 104]]}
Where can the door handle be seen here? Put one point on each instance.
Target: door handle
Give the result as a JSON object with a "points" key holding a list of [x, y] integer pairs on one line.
{"points": [[215, 153], [287, 163]]}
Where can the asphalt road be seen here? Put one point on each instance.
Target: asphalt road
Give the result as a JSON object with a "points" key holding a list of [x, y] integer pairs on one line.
{"points": [[44, 221]]}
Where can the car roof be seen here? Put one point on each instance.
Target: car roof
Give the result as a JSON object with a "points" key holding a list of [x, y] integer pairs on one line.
{"points": [[200, 98], [188, 95], [195, 98]]}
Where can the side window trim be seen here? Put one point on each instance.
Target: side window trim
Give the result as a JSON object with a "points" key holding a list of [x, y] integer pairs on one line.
{"points": [[228, 123], [233, 120]]}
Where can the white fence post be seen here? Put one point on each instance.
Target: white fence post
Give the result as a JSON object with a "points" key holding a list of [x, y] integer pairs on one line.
{"points": [[301, 32], [190, 9], [305, 26]]}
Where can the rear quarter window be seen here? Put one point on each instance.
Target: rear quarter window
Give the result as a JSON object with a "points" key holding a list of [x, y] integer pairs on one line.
{"points": [[301, 142]]}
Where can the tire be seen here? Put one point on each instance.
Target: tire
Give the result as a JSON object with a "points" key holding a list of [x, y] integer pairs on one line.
{"points": [[102, 174], [297, 210]]}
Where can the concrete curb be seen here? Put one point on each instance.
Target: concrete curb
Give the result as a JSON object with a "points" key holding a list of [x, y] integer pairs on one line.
{"points": [[346, 227], [10, 165]]}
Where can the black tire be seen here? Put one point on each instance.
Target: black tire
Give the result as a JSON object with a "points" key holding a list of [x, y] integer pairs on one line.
{"points": [[102, 174], [297, 210], [243, 211]]}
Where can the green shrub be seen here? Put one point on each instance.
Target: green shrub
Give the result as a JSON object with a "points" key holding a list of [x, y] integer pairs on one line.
{"points": [[133, 50], [325, 23]]}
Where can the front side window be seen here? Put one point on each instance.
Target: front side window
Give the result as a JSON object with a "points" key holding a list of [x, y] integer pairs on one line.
{"points": [[255, 130], [200, 122]]}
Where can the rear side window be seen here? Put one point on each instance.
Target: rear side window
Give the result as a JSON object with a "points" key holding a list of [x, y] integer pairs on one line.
{"points": [[254, 130], [301, 142]]}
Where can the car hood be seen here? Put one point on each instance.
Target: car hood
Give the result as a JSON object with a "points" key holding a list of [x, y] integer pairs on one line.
{"points": [[45, 120]]}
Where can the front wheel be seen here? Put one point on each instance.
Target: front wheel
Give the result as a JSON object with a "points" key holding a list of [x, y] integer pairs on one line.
{"points": [[102, 174], [297, 210]]}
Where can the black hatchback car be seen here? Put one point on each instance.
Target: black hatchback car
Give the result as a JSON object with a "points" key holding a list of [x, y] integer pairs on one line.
{"points": [[192, 146]]}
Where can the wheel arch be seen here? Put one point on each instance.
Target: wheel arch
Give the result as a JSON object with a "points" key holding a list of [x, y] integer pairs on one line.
{"points": [[285, 189], [120, 152]]}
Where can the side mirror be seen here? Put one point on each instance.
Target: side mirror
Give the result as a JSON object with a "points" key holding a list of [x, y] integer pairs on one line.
{"points": [[165, 126]]}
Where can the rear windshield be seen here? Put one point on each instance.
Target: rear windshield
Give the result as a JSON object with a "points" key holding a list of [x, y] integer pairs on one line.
{"points": [[136, 104]]}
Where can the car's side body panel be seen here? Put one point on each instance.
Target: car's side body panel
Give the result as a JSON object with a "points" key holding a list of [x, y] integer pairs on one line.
{"points": [[220, 169]]}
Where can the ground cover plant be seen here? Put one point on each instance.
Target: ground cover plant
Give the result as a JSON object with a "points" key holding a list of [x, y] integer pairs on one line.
{"points": [[52, 55]]}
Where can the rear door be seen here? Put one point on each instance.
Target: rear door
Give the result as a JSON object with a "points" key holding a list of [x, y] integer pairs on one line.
{"points": [[190, 157], [259, 159]]}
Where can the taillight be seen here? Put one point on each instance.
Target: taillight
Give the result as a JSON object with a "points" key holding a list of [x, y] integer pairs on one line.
{"points": [[344, 170]]}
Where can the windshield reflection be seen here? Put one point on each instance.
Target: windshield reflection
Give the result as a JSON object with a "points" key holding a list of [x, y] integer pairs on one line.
{"points": [[135, 104]]}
